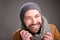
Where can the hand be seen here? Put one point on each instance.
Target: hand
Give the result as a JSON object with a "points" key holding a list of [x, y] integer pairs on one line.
{"points": [[25, 35], [48, 36]]}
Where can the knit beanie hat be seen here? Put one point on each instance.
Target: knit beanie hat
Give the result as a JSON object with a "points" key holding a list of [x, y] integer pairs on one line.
{"points": [[28, 6]]}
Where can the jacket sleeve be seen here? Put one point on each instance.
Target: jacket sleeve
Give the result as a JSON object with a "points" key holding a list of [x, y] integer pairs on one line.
{"points": [[55, 32]]}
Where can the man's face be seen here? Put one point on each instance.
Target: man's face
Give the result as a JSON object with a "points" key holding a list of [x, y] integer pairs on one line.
{"points": [[32, 20]]}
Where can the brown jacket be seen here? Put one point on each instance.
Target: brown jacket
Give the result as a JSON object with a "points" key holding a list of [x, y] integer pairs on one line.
{"points": [[55, 33]]}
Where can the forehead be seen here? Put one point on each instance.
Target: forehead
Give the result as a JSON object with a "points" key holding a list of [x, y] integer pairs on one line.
{"points": [[32, 12]]}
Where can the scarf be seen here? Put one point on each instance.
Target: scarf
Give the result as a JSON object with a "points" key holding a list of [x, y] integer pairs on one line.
{"points": [[44, 28]]}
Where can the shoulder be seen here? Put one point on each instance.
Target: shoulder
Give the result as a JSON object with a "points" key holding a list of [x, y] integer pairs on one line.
{"points": [[53, 27], [16, 35], [17, 31], [55, 32]]}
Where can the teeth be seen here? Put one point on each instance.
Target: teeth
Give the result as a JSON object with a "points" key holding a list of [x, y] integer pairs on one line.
{"points": [[35, 26]]}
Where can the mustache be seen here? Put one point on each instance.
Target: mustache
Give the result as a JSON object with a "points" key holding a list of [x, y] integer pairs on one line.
{"points": [[38, 23]]}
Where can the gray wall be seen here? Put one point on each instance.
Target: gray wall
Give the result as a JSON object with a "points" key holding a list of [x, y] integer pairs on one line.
{"points": [[9, 15]]}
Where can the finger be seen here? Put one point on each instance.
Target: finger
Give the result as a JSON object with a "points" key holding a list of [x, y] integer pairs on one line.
{"points": [[46, 36], [23, 32], [45, 39], [48, 33], [28, 35]]}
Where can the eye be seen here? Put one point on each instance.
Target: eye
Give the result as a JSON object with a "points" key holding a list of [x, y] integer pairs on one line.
{"points": [[27, 18], [37, 16]]}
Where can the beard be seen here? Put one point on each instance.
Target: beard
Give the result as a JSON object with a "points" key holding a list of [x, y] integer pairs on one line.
{"points": [[35, 27]]}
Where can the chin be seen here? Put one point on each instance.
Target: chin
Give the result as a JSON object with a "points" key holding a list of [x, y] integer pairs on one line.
{"points": [[34, 31]]}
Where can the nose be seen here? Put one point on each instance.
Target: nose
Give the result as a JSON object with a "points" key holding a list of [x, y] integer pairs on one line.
{"points": [[34, 21]]}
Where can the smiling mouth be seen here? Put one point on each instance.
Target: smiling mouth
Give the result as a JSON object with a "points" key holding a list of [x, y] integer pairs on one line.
{"points": [[35, 27]]}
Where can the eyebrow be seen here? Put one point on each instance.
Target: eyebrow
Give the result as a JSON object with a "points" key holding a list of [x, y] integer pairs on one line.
{"points": [[37, 14], [29, 16]]}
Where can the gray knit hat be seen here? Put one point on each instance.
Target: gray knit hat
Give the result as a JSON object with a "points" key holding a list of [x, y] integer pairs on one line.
{"points": [[28, 6]]}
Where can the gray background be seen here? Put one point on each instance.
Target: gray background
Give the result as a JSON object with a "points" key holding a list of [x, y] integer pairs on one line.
{"points": [[9, 15]]}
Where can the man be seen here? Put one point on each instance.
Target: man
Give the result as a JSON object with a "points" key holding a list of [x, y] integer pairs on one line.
{"points": [[34, 25]]}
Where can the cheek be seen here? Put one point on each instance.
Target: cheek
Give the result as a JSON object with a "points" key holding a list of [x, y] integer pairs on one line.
{"points": [[40, 20], [27, 22]]}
